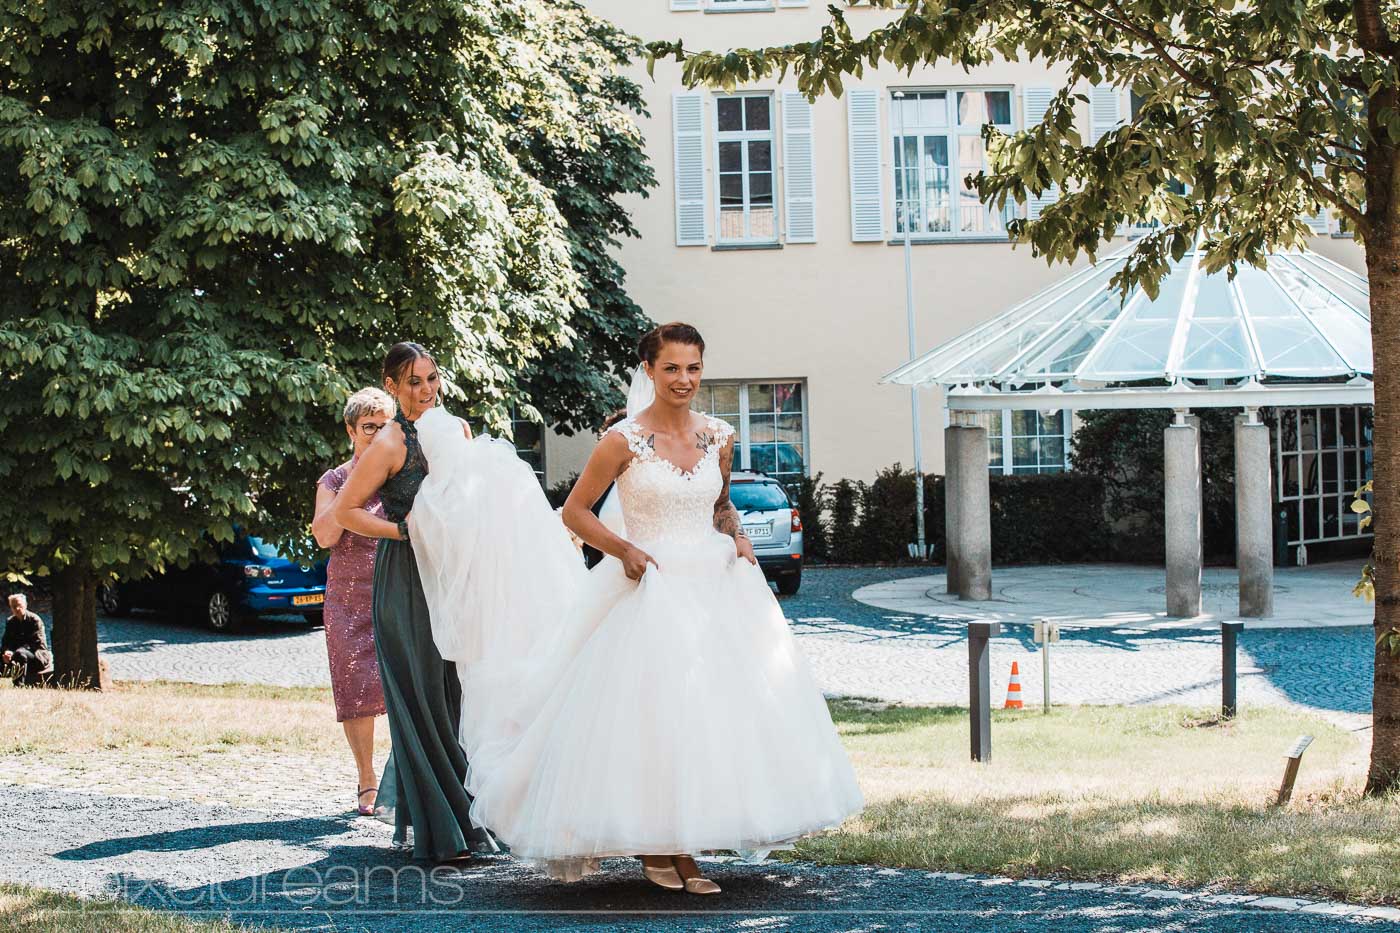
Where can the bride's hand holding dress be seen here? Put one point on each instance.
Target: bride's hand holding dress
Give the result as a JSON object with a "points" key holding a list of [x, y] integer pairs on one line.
{"points": [[727, 520], [604, 467]]}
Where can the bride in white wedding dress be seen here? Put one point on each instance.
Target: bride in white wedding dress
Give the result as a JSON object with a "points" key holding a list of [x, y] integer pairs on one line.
{"points": [[655, 707]]}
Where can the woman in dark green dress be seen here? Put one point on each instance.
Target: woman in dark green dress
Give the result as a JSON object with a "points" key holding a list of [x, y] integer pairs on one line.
{"points": [[424, 779]]}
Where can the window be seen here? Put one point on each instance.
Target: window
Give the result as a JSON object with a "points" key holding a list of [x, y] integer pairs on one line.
{"points": [[937, 144], [770, 424], [1324, 456], [1026, 441], [747, 210], [1175, 186], [758, 497], [529, 444]]}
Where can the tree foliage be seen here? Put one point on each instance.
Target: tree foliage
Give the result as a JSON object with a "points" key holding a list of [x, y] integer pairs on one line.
{"points": [[575, 386], [215, 216]]}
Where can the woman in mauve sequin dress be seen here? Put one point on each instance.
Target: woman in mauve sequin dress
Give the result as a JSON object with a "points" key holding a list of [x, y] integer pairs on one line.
{"points": [[349, 609]]}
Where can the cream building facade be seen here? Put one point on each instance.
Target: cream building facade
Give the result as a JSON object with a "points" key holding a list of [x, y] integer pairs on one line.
{"points": [[776, 229]]}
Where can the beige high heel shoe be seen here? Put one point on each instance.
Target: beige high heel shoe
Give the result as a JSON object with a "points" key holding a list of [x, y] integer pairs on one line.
{"points": [[694, 882], [666, 877]]}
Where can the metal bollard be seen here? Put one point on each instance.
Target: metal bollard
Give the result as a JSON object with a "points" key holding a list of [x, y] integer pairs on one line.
{"points": [[1045, 633], [1229, 639], [979, 680]]}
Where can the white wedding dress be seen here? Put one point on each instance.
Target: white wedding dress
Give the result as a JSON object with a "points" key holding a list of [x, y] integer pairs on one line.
{"points": [[606, 717]]}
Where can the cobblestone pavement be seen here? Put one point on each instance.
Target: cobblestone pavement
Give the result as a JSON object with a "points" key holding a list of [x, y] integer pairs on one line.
{"points": [[1123, 596], [330, 873], [860, 650]]}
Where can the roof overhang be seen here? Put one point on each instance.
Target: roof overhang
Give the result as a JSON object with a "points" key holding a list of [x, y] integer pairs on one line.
{"points": [[1296, 330], [1250, 395]]}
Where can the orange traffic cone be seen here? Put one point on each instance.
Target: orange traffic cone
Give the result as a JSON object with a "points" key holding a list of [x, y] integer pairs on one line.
{"points": [[1013, 689]]}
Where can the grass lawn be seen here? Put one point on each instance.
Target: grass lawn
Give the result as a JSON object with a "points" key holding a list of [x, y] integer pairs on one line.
{"points": [[30, 910], [1132, 794], [189, 716], [269, 747]]}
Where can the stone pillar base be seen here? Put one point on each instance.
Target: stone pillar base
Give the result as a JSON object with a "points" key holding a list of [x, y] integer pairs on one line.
{"points": [[1254, 525], [972, 525], [1182, 443]]}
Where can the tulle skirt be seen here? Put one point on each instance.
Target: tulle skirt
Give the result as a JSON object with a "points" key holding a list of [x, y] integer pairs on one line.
{"points": [[681, 718]]}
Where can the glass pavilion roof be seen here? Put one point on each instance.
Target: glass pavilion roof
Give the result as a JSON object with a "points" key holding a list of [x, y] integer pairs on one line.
{"points": [[1303, 318]]}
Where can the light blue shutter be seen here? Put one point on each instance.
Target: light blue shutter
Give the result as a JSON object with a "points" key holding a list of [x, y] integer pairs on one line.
{"points": [[867, 178], [1319, 222], [792, 2], [1035, 101], [685, 5], [1105, 110], [688, 130], [799, 181]]}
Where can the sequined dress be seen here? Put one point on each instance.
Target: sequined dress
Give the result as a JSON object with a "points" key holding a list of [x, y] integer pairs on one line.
{"points": [[349, 617]]}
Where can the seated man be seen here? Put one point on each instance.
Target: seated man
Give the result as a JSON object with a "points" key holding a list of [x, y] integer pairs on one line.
{"points": [[24, 644]]}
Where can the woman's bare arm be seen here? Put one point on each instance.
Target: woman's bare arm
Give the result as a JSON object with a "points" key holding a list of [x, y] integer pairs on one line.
{"points": [[324, 527], [727, 520], [382, 460], [604, 466], [610, 458]]}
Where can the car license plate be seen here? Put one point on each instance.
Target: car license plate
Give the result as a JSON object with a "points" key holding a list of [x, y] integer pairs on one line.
{"points": [[757, 532], [309, 600]]}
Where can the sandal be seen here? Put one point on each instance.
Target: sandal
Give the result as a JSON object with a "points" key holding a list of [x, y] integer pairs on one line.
{"points": [[366, 810]]}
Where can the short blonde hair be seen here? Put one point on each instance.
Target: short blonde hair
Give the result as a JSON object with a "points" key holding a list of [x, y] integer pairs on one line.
{"points": [[367, 402]]}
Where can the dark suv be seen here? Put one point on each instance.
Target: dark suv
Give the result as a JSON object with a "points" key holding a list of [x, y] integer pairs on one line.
{"points": [[774, 527], [250, 579]]}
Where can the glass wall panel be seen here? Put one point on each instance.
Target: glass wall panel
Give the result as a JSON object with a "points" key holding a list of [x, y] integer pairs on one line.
{"points": [[1323, 457]]}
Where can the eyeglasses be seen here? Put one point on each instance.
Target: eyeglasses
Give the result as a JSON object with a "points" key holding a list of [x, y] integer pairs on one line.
{"points": [[371, 428]]}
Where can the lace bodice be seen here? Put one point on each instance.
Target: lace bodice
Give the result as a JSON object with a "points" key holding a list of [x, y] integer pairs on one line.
{"points": [[399, 490], [659, 499]]}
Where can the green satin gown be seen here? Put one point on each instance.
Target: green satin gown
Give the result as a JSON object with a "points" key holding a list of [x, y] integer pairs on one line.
{"points": [[424, 777]]}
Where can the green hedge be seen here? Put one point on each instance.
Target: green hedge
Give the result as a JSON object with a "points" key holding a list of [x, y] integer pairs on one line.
{"points": [[1124, 450], [1038, 518]]}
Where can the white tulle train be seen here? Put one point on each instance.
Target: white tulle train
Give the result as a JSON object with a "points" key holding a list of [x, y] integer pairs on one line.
{"points": [[607, 717]]}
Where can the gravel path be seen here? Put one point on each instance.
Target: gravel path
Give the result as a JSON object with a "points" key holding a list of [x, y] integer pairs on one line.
{"points": [[332, 873]]}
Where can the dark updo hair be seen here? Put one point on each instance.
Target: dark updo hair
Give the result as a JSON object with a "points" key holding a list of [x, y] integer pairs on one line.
{"points": [[402, 356], [674, 332]]}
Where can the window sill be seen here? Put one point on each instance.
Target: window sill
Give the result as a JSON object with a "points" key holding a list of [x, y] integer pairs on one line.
{"points": [[733, 247], [925, 241], [729, 8]]}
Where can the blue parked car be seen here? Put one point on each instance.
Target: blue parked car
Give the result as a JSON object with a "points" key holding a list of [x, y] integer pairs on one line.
{"points": [[250, 579]]}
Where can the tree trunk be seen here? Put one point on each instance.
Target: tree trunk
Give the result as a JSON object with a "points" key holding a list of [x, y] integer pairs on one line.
{"points": [[75, 628], [1383, 268]]}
